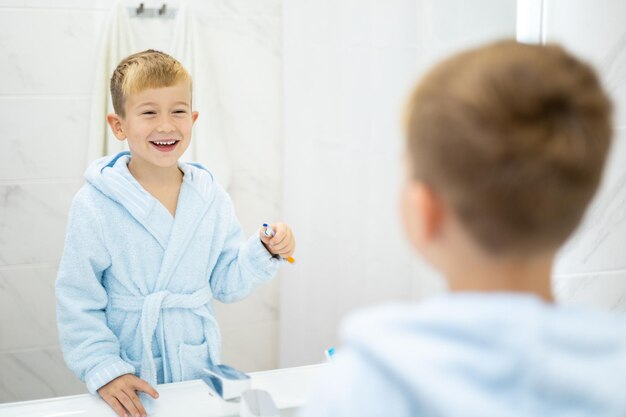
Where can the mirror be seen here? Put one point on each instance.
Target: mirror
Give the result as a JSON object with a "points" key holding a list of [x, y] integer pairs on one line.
{"points": [[300, 120]]}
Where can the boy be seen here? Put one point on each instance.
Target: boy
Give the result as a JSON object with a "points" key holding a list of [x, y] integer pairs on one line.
{"points": [[150, 242], [505, 148]]}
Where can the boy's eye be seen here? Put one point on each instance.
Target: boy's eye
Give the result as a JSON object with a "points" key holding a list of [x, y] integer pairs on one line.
{"points": [[180, 111], [149, 112]]}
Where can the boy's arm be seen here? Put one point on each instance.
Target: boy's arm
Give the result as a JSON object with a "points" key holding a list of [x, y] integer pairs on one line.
{"points": [[90, 348], [242, 265]]}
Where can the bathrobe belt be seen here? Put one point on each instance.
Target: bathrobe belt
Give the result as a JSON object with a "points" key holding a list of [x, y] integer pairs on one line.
{"points": [[151, 306]]}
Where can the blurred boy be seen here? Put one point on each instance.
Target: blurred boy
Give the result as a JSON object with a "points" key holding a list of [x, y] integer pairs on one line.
{"points": [[505, 148]]}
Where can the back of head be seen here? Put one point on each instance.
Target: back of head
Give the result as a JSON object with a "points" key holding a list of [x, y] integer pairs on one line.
{"points": [[144, 70], [513, 138]]}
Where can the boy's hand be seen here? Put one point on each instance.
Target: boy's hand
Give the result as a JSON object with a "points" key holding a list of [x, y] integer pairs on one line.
{"points": [[121, 395], [283, 243]]}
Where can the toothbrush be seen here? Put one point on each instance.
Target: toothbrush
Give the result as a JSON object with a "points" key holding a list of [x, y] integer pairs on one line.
{"points": [[269, 232], [329, 353]]}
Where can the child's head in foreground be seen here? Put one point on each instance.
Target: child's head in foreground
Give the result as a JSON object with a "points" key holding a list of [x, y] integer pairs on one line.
{"points": [[505, 148], [151, 93]]}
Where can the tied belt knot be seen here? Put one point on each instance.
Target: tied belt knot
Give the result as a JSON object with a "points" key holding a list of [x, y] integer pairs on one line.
{"points": [[150, 307]]}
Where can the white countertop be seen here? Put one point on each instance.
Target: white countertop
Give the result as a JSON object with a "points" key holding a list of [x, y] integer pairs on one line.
{"points": [[289, 387]]}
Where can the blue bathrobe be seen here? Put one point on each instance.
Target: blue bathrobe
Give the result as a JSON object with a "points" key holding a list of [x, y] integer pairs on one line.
{"points": [[473, 354], [135, 285]]}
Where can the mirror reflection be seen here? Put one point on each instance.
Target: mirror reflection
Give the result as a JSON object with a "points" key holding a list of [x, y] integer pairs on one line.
{"points": [[292, 113]]}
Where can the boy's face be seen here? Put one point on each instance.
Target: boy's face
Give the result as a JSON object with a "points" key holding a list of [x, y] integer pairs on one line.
{"points": [[157, 124]]}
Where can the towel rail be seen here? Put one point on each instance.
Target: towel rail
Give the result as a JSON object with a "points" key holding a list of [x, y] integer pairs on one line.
{"points": [[142, 11]]}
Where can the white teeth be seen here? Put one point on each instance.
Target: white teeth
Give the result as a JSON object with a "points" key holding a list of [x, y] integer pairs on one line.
{"points": [[165, 143]]}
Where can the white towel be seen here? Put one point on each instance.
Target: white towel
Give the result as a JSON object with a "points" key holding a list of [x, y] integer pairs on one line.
{"points": [[124, 36], [208, 145], [116, 44]]}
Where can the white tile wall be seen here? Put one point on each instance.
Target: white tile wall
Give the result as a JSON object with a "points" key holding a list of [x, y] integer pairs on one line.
{"points": [[32, 220], [43, 137], [595, 32], [591, 268], [348, 68], [90, 5], [48, 51], [606, 290], [241, 345], [48, 56], [598, 244], [39, 373], [27, 307], [246, 39], [47, 61]]}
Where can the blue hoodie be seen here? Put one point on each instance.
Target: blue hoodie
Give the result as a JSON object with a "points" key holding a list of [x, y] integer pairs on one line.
{"points": [[135, 285], [477, 355]]}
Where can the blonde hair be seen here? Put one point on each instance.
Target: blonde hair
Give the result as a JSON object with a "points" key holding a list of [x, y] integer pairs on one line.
{"points": [[143, 70], [514, 138]]}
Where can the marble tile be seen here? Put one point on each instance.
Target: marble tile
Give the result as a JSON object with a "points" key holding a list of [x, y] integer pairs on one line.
{"points": [[345, 80], [602, 290], [237, 45], [56, 58], [33, 218], [352, 252], [590, 267], [257, 193], [27, 307], [403, 32], [244, 113], [261, 306], [57, 4], [597, 245], [251, 347], [53, 147], [447, 28], [34, 374], [596, 33], [237, 7]]}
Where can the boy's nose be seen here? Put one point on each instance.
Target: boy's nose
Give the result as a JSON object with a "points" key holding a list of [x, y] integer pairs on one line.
{"points": [[165, 125]]}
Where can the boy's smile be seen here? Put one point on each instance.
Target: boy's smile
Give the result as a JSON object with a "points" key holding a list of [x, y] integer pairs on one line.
{"points": [[157, 125], [165, 145]]}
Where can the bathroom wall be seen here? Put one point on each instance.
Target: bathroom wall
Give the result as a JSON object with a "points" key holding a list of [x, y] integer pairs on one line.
{"points": [[48, 53], [348, 68], [592, 266]]}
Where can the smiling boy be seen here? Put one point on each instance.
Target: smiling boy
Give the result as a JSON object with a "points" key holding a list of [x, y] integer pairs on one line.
{"points": [[151, 241]]}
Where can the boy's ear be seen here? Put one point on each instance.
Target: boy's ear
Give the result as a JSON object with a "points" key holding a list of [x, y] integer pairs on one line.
{"points": [[429, 208], [194, 116], [115, 122]]}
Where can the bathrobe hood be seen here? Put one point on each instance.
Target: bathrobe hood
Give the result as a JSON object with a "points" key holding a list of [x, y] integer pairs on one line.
{"points": [[495, 355], [108, 175]]}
